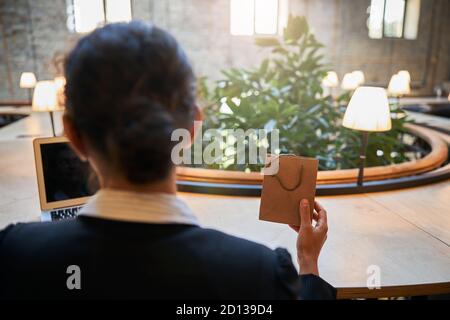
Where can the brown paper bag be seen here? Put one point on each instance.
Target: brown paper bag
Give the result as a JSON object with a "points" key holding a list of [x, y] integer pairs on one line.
{"points": [[282, 191]]}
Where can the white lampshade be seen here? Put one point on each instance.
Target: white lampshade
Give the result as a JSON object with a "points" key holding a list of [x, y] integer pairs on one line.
{"points": [[359, 75], [405, 73], [331, 80], [45, 97], [349, 82], [399, 85], [27, 80], [368, 110], [60, 82]]}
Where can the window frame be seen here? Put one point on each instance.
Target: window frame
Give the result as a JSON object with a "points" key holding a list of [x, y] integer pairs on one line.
{"points": [[403, 24], [277, 17], [258, 34], [105, 20], [131, 10]]}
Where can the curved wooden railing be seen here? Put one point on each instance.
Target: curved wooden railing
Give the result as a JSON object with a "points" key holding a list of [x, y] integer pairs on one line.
{"points": [[433, 160]]}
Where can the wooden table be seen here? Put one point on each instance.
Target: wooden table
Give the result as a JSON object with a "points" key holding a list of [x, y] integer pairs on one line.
{"points": [[430, 101], [406, 233]]}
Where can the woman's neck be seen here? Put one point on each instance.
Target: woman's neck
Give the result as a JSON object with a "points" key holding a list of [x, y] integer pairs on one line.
{"points": [[167, 185]]}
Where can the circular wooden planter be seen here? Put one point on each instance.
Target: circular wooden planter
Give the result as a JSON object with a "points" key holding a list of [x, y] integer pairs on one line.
{"points": [[435, 159]]}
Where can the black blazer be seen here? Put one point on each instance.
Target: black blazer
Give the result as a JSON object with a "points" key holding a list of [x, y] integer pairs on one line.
{"points": [[145, 261]]}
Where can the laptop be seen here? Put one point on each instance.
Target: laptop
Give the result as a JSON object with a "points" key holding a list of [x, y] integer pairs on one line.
{"points": [[65, 183]]}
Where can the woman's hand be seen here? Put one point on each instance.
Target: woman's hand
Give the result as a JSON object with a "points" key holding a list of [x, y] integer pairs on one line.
{"points": [[310, 238]]}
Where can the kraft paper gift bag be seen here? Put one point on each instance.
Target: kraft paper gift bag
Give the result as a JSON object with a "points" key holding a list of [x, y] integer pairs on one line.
{"points": [[283, 189]]}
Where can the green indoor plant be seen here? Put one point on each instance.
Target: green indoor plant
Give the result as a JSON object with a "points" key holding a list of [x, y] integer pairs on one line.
{"points": [[285, 92]]}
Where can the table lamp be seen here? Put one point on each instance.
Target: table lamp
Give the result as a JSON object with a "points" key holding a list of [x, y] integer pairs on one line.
{"points": [[349, 82], [367, 111], [405, 74], [45, 100], [330, 81], [60, 83], [27, 81], [359, 75], [399, 85]]}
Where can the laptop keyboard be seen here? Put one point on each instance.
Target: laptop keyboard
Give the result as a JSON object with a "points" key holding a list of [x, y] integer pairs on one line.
{"points": [[66, 213]]}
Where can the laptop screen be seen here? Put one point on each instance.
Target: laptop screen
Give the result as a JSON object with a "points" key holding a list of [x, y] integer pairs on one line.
{"points": [[66, 176]]}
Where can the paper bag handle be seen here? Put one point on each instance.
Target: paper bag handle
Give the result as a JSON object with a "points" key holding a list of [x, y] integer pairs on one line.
{"points": [[299, 180]]}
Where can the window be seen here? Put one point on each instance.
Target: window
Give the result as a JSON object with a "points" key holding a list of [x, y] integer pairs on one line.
{"points": [[394, 19], [86, 15], [264, 17]]}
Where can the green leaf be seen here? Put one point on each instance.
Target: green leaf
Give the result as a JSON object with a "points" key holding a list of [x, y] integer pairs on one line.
{"points": [[264, 66], [267, 42], [296, 28]]}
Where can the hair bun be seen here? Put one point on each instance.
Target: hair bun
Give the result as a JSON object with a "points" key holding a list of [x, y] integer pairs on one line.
{"points": [[143, 135]]}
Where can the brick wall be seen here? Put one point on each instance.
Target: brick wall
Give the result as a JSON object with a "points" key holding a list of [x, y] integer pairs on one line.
{"points": [[33, 34]]}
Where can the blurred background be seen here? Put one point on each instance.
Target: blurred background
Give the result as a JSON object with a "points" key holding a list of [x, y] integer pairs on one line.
{"points": [[379, 37]]}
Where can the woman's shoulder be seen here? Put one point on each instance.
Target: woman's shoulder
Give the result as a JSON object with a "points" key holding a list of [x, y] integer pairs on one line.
{"points": [[239, 245]]}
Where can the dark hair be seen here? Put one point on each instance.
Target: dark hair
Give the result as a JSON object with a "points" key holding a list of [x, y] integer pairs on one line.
{"points": [[129, 85]]}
